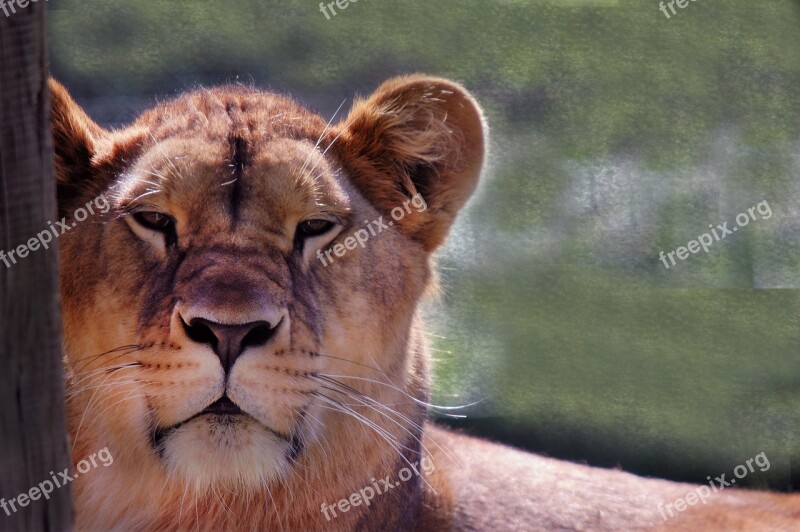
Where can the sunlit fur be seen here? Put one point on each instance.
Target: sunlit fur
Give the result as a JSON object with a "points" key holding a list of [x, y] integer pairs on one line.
{"points": [[338, 395], [345, 376]]}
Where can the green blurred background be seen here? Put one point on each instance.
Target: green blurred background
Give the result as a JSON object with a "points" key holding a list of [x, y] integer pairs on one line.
{"points": [[616, 133]]}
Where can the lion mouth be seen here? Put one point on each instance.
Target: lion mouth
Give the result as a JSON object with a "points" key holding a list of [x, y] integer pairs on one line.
{"points": [[222, 407], [227, 413]]}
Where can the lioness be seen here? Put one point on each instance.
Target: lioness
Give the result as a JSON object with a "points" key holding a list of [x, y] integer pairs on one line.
{"points": [[242, 329]]}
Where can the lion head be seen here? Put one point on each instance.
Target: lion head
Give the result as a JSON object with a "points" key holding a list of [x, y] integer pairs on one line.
{"points": [[245, 315]]}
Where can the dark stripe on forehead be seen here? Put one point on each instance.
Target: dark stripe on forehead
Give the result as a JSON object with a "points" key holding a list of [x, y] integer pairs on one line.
{"points": [[239, 160], [239, 157]]}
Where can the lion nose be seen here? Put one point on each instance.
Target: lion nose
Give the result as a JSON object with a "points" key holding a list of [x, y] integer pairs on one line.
{"points": [[229, 341]]}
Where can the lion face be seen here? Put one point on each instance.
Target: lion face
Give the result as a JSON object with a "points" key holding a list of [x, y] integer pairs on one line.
{"points": [[221, 240], [253, 270]]}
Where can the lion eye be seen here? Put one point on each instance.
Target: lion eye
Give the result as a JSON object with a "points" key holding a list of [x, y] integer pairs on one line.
{"points": [[311, 228], [157, 221]]}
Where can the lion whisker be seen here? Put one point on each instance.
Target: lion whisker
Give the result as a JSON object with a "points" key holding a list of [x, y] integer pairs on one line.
{"points": [[341, 407], [390, 439], [102, 385], [85, 411], [321, 136], [322, 158], [126, 398], [277, 513], [80, 377], [89, 359], [352, 362], [386, 415], [146, 194], [89, 408], [221, 500], [429, 405], [402, 416], [163, 152]]}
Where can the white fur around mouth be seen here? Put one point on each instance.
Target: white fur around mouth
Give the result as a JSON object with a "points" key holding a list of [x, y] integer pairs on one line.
{"points": [[237, 452]]}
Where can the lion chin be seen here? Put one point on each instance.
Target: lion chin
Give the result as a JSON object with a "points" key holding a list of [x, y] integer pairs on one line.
{"points": [[233, 452]]}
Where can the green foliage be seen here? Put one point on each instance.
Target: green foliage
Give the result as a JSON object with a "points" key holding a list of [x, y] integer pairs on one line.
{"points": [[601, 79]]}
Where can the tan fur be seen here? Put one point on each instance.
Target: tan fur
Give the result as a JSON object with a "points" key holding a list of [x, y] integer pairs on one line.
{"points": [[335, 398]]}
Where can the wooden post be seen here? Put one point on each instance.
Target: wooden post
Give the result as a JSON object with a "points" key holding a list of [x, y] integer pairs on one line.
{"points": [[33, 434]]}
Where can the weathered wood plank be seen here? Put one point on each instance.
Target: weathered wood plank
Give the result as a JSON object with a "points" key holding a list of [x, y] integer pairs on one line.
{"points": [[33, 437]]}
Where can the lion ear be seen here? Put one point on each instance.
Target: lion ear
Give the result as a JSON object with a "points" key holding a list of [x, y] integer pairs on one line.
{"points": [[415, 135], [75, 137]]}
